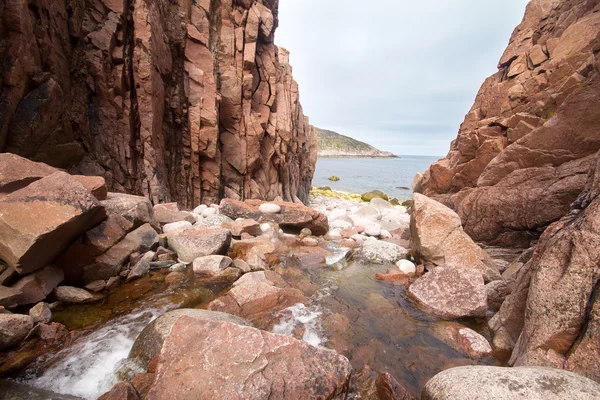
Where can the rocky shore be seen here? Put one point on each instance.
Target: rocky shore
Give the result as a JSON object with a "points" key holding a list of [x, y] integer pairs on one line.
{"points": [[305, 302]]}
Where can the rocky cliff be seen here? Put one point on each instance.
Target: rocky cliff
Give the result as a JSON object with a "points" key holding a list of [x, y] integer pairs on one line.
{"points": [[186, 101], [333, 144], [523, 151]]}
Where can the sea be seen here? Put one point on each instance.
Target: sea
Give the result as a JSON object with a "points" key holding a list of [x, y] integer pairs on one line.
{"points": [[392, 176]]}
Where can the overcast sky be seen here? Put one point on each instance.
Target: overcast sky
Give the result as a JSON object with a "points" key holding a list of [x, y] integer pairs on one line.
{"points": [[397, 74]]}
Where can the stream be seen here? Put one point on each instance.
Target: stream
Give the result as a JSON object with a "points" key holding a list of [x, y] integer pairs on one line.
{"points": [[373, 323]]}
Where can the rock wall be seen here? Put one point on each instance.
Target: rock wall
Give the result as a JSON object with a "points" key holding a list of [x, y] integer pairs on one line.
{"points": [[523, 151], [552, 316], [186, 100]]}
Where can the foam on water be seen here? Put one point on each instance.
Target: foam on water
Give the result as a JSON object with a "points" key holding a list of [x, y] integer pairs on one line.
{"points": [[86, 369]]}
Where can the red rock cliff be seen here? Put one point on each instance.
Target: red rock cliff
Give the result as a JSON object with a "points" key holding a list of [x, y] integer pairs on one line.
{"points": [[523, 151], [186, 100]]}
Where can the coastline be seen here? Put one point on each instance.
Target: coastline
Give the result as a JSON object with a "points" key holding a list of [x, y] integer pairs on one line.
{"points": [[358, 156]]}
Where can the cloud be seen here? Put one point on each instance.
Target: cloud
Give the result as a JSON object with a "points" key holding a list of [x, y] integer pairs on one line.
{"points": [[397, 74]]}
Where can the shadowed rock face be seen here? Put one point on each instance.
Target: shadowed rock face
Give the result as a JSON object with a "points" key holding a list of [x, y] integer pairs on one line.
{"points": [[523, 151], [185, 101]]}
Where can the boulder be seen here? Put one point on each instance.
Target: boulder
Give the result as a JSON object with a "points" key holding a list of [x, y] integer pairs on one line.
{"points": [[380, 252], [9, 296], [18, 391], [176, 226], [437, 237], [111, 262], [215, 220], [91, 245], [498, 383], [267, 365], [199, 242], [37, 286], [13, 329], [150, 341], [496, 293], [17, 172], [95, 184], [389, 389], [292, 215], [40, 221], [167, 213], [210, 266], [40, 313], [142, 267], [256, 294], [450, 292], [137, 209], [373, 230], [73, 295], [462, 339], [374, 194], [242, 226], [121, 391]]}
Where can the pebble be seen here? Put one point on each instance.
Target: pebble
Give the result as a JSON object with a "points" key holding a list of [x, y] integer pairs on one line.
{"points": [[373, 230], [407, 267], [269, 208]]}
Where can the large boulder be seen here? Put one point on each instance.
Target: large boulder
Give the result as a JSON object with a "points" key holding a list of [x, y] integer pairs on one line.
{"points": [[111, 262], [167, 213], [149, 342], [17, 172], [292, 215], [35, 287], [13, 329], [11, 390], [266, 365], [40, 221], [199, 242], [437, 237], [137, 209], [95, 184], [451, 292], [73, 295], [497, 383], [461, 338], [9, 296]]}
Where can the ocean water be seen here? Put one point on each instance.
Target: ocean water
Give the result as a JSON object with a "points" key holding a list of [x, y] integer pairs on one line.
{"points": [[360, 175]]}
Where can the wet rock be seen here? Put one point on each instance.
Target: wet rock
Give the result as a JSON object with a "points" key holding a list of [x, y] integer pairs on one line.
{"points": [[389, 389], [137, 209], [111, 262], [255, 294], [142, 267], [437, 237], [167, 213], [406, 267], [333, 178], [9, 296], [175, 278], [149, 342], [73, 295], [95, 184], [96, 286], [17, 391], [40, 313], [13, 329], [242, 226], [17, 172], [127, 368], [292, 216], [210, 266], [176, 226], [269, 208], [462, 339], [374, 194], [38, 222], [52, 331], [91, 245], [379, 252], [451, 292], [199, 242], [289, 368], [142, 384], [496, 293], [121, 391], [532, 383], [37, 286]]}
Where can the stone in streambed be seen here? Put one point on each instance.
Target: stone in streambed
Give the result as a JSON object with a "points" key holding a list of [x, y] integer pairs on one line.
{"points": [[461, 338], [242, 226], [142, 267], [176, 226], [13, 329], [40, 221], [379, 252], [498, 383], [450, 292], [37, 286], [496, 293], [40, 313], [121, 391], [199, 242], [17, 391], [210, 266], [406, 267], [289, 368], [9, 296], [73, 295]]}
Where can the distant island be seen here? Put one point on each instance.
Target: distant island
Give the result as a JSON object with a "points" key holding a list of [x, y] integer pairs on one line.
{"points": [[332, 144]]}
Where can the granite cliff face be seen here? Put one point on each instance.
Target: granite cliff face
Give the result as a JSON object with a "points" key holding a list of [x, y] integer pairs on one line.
{"points": [[186, 101], [524, 149]]}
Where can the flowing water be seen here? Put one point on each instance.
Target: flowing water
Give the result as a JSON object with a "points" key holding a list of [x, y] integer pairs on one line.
{"points": [[373, 323]]}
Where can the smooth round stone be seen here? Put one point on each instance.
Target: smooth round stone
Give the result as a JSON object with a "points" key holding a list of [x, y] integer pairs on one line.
{"points": [[340, 224], [200, 208], [334, 234], [407, 267], [373, 230], [177, 226], [269, 208], [208, 212]]}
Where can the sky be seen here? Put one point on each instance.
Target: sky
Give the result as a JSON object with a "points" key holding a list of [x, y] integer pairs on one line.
{"points": [[397, 74]]}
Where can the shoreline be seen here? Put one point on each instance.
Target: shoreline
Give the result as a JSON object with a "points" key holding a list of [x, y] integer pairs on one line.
{"points": [[358, 156]]}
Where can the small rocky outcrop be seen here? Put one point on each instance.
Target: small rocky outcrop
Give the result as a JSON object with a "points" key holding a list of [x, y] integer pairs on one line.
{"points": [[287, 215], [267, 365], [185, 102], [522, 153], [531, 383], [437, 238]]}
